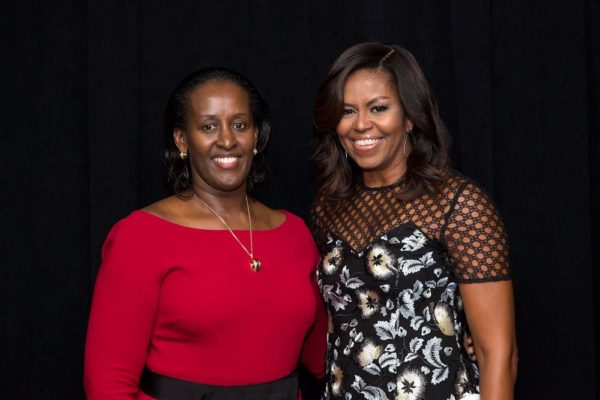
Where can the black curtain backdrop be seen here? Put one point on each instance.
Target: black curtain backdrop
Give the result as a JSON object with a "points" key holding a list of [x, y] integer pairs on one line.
{"points": [[84, 86]]}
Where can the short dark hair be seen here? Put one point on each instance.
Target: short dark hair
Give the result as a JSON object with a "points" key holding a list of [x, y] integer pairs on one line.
{"points": [[427, 163], [178, 170]]}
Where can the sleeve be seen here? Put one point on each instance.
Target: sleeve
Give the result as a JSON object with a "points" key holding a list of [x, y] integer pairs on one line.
{"points": [[475, 238], [316, 222], [314, 348], [122, 314]]}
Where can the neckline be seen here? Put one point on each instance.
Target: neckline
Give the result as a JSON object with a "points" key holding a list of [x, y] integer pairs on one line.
{"points": [[191, 228], [389, 186], [409, 225]]}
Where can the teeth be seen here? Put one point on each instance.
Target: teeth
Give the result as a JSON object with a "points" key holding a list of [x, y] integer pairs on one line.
{"points": [[366, 142], [225, 160]]}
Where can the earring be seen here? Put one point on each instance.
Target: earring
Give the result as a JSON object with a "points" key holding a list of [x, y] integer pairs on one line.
{"points": [[182, 155], [255, 151]]}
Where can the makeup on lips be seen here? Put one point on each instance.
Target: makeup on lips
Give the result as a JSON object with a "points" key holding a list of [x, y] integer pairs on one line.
{"points": [[227, 161], [366, 143]]}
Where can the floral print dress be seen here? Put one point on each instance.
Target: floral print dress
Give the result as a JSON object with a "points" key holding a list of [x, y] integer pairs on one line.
{"points": [[389, 275]]}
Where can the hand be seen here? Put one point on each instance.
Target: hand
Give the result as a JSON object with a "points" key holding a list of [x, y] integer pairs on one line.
{"points": [[469, 346]]}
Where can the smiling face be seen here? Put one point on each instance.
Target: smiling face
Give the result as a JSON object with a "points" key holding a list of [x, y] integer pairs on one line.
{"points": [[373, 128], [219, 136]]}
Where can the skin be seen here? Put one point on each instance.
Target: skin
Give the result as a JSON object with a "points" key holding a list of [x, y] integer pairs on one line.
{"points": [[490, 314], [372, 110], [219, 139]]}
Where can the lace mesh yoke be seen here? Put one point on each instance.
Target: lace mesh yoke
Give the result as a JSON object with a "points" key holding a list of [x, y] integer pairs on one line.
{"points": [[462, 218]]}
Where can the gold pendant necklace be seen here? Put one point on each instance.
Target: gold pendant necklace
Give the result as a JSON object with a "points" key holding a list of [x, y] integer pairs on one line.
{"points": [[254, 263]]}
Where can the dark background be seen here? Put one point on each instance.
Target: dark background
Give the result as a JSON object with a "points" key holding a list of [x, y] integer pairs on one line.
{"points": [[83, 89]]}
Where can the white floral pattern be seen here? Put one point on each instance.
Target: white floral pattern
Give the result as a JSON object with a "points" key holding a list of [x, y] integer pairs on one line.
{"points": [[411, 385], [332, 260], [380, 263], [396, 321]]}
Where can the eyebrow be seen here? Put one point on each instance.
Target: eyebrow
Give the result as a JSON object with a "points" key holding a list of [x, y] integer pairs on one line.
{"points": [[373, 100], [376, 99], [216, 116]]}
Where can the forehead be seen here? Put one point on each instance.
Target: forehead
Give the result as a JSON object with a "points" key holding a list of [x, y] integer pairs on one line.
{"points": [[366, 81], [219, 95]]}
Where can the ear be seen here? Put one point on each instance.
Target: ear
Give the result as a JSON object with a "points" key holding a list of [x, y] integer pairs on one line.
{"points": [[255, 136], [180, 142], [410, 125]]}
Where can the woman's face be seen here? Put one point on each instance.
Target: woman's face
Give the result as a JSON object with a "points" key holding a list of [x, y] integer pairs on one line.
{"points": [[373, 128], [219, 137]]}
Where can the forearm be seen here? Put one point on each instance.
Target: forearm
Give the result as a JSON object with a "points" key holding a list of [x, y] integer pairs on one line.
{"points": [[498, 370], [490, 314]]}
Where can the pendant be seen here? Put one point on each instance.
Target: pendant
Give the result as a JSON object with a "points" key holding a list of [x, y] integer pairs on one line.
{"points": [[255, 265]]}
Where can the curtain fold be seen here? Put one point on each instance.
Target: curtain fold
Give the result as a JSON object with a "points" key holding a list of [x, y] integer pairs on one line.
{"points": [[86, 83]]}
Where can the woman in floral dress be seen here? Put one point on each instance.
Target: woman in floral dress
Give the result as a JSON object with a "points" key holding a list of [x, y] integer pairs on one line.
{"points": [[411, 250]]}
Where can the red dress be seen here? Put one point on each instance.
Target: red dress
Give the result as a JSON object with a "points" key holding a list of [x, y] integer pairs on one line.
{"points": [[184, 303]]}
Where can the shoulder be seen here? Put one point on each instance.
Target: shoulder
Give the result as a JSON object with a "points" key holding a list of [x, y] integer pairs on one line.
{"points": [[136, 228], [168, 208], [320, 210], [150, 219], [280, 218], [283, 220], [141, 231], [133, 247], [459, 189], [268, 218], [320, 203], [296, 229], [296, 222], [133, 225]]}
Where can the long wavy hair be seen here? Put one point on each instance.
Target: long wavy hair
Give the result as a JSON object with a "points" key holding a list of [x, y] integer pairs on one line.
{"points": [[427, 163], [179, 171]]}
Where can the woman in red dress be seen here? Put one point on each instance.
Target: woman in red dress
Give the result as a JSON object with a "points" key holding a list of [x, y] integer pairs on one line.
{"points": [[207, 292]]}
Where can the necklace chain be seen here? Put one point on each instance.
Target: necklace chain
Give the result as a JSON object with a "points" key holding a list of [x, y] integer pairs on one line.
{"points": [[254, 264]]}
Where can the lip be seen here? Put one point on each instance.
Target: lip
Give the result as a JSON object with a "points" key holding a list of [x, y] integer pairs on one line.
{"points": [[366, 143], [227, 161]]}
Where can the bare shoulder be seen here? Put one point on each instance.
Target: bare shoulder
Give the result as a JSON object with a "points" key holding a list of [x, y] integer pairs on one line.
{"points": [[170, 208], [266, 217]]}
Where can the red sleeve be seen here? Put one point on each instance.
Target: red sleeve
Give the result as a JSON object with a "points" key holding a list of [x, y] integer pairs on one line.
{"points": [[122, 314], [313, 351]]}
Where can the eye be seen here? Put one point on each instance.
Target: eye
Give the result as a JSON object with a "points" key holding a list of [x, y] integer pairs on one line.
{"points": [[347, 111], [210, 127], [239, 126], [379, 109]]}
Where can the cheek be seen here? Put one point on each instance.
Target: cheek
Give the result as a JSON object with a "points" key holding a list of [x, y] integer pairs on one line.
{"points": [[394, 127], [342, 129]]}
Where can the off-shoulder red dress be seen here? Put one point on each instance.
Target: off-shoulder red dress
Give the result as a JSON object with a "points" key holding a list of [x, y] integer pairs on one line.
{"points": [[184, 303]]}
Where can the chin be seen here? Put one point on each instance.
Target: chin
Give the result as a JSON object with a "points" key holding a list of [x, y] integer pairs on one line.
{"points": [[227, 181], [367, 164], [229, 186]]}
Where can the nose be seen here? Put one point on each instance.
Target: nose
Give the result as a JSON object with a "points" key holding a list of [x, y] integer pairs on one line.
{"points": [[226, 138], [363, 122]]}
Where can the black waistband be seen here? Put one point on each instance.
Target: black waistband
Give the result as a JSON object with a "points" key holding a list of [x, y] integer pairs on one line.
{"points": [[165, 388]]}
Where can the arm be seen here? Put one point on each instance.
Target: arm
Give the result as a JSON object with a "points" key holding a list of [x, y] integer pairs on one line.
{"points": [[313, 350], [122, 314], [315, 344], [490, 314], [477, 247]]}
